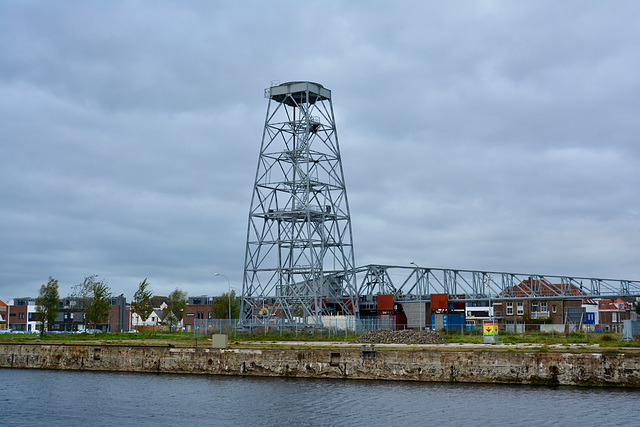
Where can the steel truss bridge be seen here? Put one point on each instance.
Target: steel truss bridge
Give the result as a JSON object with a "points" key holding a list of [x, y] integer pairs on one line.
{"points": [[418, 283]]}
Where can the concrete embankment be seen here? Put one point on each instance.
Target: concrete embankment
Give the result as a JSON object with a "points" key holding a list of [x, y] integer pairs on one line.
{"points": [[483, 366]]}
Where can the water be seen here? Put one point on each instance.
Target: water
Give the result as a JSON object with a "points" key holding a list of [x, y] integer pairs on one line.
{"points": [[38, 397]]}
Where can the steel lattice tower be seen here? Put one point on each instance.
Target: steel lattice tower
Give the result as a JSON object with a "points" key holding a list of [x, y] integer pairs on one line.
{"points": [[299, 258]]}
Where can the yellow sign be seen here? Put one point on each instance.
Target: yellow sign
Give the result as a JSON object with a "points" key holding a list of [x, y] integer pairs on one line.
{"points": [[490, 328]]}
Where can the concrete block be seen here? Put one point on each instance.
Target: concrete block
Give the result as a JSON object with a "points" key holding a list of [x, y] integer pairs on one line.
{"points": [[219, 341]]}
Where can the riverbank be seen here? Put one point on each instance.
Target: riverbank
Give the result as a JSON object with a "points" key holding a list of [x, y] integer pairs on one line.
{"points": [[443, 363]]}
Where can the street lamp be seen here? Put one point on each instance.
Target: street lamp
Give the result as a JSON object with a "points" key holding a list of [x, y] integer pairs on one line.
{"points": [[229, 294], [419, 298]]}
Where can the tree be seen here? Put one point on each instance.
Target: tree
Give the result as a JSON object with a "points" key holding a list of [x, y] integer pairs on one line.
{"points": [[99, 303], [220, 306], [47, 305], [79, 297], [142, 301], [94, 296], [175, 308]]}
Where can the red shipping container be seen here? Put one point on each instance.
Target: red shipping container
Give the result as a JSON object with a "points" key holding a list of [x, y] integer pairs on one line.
{"points": [[439, 301], [385, 302], [459, 305]]}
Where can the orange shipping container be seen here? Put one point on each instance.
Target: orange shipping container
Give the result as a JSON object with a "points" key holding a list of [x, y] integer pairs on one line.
{"points": [[439, 301], [385, 302]]}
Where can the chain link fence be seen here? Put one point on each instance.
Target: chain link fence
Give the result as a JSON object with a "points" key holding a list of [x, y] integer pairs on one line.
{"points": [[345, 328], [339, 329]]}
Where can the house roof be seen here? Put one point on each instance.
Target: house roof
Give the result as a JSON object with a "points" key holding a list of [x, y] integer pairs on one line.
{"points": [[157, 301], [2, 304], [607, 304], [618, 304]]}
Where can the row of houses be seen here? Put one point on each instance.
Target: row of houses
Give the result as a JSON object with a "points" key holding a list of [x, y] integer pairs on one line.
{"points": [[536, 302], [531, 304], [19, 315]]}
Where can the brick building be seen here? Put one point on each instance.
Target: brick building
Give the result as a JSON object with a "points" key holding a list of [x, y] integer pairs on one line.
{"points": [[611, 313], [198, 308], [545, 307], [22, 314]]}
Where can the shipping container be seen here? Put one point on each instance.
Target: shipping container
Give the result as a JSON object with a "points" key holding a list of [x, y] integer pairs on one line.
{"points": [[385, 302], [439, 301]]}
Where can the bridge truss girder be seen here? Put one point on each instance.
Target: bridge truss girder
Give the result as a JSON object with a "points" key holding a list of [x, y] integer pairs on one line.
{"points": [[418, 283]]}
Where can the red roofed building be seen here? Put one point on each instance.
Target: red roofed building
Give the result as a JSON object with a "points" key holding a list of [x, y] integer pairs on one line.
{"points": [[538, 302], [611, 313]]}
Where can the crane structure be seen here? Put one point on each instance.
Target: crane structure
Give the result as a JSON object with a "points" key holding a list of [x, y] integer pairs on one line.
{"points": [[299, 260]]}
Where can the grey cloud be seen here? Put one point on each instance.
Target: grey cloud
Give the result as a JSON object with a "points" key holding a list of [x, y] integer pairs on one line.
{"points": [[489, 135]]}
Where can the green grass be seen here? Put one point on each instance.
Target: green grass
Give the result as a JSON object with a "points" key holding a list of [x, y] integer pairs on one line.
{"points": [[290, 336], [604, 340]]}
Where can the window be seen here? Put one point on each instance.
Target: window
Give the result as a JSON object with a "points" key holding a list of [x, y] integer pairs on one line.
{"points": [[534, 307], [543, 306], [553, 308], [509, 309], [520, 309], [614, 317]]}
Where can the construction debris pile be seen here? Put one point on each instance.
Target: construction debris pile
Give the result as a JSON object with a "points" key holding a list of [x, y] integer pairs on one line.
{"points": [[406, 336]]}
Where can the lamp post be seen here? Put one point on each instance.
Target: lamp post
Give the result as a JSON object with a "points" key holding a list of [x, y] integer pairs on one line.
{"points": [[419, 298], [228, 295]]}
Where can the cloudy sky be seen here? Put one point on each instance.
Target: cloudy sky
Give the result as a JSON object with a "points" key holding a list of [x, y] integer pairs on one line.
{"points": [[491, 135]]}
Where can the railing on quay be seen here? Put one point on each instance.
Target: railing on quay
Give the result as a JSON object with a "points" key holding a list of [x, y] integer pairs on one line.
{"points": [[337, 327], [337, 331]]}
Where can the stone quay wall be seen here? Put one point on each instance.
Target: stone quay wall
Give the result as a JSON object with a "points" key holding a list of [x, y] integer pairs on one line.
{"points": [[485, 366]]}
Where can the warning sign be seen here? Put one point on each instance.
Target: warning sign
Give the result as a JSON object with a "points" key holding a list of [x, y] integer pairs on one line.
{"points": [[490, 328]]}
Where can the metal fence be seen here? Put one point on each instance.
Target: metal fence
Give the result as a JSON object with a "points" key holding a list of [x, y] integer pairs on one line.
{"points": [[331, 327], [339, 330]]}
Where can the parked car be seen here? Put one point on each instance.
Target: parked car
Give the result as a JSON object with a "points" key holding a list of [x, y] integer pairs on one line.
{"points": [[5, 331], [94, 331]]}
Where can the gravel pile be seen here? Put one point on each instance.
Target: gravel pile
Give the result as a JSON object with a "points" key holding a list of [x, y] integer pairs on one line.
{"points": [[405, 336]]}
